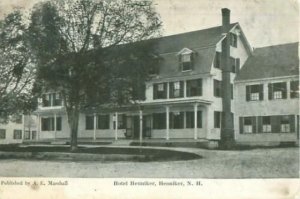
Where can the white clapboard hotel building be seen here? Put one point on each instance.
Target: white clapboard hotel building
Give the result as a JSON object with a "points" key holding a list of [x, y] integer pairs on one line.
{"points": [[210, 85]]}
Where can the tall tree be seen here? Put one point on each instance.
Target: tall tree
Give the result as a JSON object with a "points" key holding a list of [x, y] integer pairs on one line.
{"points": [[17, 71], [81, 52]]}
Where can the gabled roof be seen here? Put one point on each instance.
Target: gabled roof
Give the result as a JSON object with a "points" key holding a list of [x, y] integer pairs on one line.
{"points": [[271, 61], [195, 39]]}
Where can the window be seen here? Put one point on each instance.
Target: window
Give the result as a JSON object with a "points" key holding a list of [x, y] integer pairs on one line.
{"points": [[27, 135], [154, 67], [266, 124], [285, 124], [89, 122], [217, 88], [217, 61], [248, 128], [17, 134], [121, 121], [194, 87], [295, 89], [217, 119], [254, 92], [103, 122], [159, 121], [58, 124], [190, 120], [176, 120], [2, 134], [278, 90], [52, 99], [48, 124], [57, 99], [247, 125], [160, 91], [176, 89], [235, 64], [17, 119], [186, 61], [233, 40]]}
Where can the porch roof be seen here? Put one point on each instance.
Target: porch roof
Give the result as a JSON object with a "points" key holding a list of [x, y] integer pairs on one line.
{"points": [[146, 104]]}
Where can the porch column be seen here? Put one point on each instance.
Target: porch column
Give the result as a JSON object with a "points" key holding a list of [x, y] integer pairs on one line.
{"points": [[195, 121], [116, 126], [141, 125], [184, 89], [167, 123], [55, 125], [95, 126]]}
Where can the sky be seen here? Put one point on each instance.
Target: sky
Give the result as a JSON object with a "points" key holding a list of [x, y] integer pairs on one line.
{"points": [[264, 22]]}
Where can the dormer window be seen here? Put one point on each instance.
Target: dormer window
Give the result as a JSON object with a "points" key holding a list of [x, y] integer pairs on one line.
{"points": [[186, 59], [154, 68]]}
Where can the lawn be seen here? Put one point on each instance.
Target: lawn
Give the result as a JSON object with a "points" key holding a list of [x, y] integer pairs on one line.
{"points": [[254, 163]]}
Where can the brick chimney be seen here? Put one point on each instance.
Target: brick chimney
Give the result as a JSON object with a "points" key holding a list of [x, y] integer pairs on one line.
{"points": [[225, 20], [227, 131]]}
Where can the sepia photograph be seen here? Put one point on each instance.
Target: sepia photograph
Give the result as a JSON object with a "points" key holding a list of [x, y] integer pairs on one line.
{"points": [[149, 93]]}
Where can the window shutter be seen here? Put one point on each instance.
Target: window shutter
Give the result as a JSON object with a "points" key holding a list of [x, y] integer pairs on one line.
{"points": [[181, 88], [192, 61], [275, 124], [270, 91], [292, 123], [241, 125], [171, 89], [284, 90], [165, 90], [261, 92], [200, 86], [254, 125], [248, 93], [259, 125], [179, 63], [237, 68], [155, 88]]}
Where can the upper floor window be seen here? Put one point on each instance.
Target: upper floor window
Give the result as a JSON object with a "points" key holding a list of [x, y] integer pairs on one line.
{"points": [[217, 61], [154, 68], [160, 91], [176, 89], [185, 59], [52, 99], [194, 87], [295, 89], [277, 90], [217, 88], [254, 92], [233, 40]]}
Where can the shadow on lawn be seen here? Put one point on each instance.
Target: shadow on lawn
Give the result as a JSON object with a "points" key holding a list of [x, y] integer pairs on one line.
{"points": [[93, 154]]}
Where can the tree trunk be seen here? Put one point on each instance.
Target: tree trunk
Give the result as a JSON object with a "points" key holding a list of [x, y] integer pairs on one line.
{"points": [[73, 118]]}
